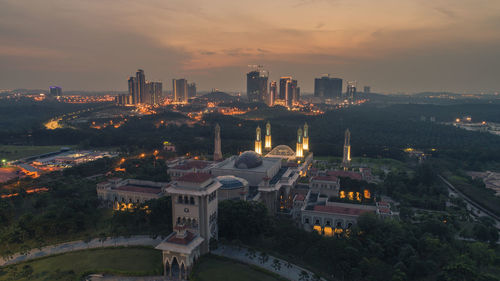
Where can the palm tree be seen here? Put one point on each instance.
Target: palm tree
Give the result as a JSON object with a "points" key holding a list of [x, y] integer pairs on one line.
{"points": [[303, 276], [276, 265]]}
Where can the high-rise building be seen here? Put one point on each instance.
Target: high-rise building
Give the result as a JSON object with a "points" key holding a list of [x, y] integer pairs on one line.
{"points": [[326, 87], [351, 90], [154, 92], [191, 90], [180, 90], [131, 90], [140, 86], [257, 85], [288, 91], [284, 85], [258, 141], [217, 143], [273, 93], [55, 91], [346, 157], [366, 89]]}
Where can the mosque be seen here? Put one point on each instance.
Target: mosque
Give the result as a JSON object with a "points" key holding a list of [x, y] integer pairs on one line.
{"points": [[267, 174]]}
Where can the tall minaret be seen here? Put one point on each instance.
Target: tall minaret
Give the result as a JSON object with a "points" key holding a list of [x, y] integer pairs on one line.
{"points": [[346, 159], [300, 146], [268, 136], [217, 150], [306, 137], [258, 141]]}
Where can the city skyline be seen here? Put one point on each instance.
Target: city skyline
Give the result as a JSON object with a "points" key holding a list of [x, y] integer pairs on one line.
{"points": [[448, 45]]}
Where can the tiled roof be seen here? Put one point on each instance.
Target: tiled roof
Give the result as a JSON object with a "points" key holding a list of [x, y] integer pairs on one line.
{"points": [[131, 188], [195, 177], [341, 210], [345, 174], [183, 241], [325, 178]]}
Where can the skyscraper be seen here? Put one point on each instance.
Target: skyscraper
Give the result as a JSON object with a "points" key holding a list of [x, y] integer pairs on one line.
{"points": [[351, 90], [55, 91], [346, 157], [257, 85], [284, 85], [217, 143], [288, 91], [140, 86], [131, 90], [192, 90], [154, 92], [326, 87], [273, 93], [180, 90]]}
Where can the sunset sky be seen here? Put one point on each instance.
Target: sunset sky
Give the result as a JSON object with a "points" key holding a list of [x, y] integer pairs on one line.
{"points": [[391, 45]]}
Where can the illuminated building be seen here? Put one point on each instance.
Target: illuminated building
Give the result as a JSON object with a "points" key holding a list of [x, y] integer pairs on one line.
{"points": [[268, 137], [346, 158], [285, 89], [217, 144], [194, 220], [191, 88], [273, 93], [258, 141], [124, 194], [306, 137], [140, 86], [180, 90], [257, 85], [131, 90], [300, 147], [55, 91], [326, 87], [351, 90]]}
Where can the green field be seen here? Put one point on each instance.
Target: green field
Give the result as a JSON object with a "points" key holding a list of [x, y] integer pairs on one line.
{"points": [[212, 268], [139, 261], [14, 152]]}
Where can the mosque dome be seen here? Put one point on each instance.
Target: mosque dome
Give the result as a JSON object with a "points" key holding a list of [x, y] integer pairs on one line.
{"points": [[248, 160], [232, 182]]}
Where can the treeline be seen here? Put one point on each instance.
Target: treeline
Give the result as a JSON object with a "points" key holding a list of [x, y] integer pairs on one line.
{"points": [[376, 250]]}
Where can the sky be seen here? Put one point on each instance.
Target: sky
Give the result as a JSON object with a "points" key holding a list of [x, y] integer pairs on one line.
{"points": [[391, 45]]}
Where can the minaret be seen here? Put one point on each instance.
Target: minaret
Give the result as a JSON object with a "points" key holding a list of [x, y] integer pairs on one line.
{"points": [[268, 137], [300, 146], [258, 141], [217, 150], [346, 159], [306, 137]]}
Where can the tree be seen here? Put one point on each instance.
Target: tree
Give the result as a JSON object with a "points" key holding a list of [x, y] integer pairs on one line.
{"points": [[263, 257], [303, 276], [276, 265]]}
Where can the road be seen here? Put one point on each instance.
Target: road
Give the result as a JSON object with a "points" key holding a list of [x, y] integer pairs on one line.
{"points": [[476, 209]]}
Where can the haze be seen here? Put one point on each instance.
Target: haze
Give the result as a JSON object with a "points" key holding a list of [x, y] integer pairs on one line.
{"points": [[391, 45]]}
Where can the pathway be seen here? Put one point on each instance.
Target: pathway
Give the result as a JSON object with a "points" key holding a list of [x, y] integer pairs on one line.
{"points": [[137, 240], [293, 272]]}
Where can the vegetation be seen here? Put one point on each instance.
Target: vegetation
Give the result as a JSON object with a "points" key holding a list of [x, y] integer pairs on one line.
{"points": [[212, 268], [138, 261]]}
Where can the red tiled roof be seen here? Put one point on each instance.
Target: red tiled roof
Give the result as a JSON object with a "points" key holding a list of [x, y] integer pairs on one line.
{"points": [[183, 241], [384, 210], [383, 203], [139, 189], [325, 178], [345, 174], [192, 164], [300, 197], [341, 210], [195, 177]]}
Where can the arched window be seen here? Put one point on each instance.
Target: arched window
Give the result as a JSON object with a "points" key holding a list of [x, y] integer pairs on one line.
{"points": [[179, 199], [178, 220], [191, 200]]}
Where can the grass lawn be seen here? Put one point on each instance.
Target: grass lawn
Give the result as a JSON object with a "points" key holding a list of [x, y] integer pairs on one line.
{"points": [[14, 152], [212, 268], [72, 266]]}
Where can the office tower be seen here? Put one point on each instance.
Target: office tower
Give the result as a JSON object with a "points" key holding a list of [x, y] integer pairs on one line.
{"points": [[273, 93], [351, 90], [131, 90], [267, 144], [257, 85], [258, 141], [140, 86], [294, 90], [346, 158], [284, 85], [297, 94], [366, 89], [306, 137], [191, 90], [55, 91], [154, 92], [217, 143], [179, 88], [300, 146], [326, 87], [288, 88]]}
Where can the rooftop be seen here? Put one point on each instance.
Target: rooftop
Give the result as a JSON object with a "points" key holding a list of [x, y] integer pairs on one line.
{"points": [[325, 178], [195, 177], [345, 174], [340, 210], [141, 189]]}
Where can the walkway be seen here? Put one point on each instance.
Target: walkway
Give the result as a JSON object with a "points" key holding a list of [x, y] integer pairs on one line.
{"points": [[137, 240], [290, 272]]}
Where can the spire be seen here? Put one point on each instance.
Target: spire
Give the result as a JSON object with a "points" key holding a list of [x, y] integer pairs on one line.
{"points": [[217, 149], [346, 158], [258, 142], [268, 136], [306, 137], [300, 146]]}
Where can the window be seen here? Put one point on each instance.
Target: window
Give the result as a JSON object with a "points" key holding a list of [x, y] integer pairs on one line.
{"points": [[191, 200]]}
